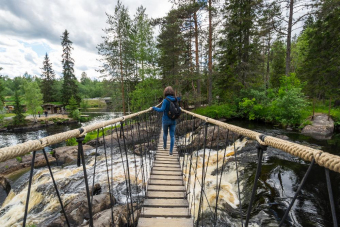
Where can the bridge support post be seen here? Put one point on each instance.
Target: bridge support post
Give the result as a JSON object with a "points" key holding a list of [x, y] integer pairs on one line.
{"points": [[81, 153], [260, 150], [29, 189]]}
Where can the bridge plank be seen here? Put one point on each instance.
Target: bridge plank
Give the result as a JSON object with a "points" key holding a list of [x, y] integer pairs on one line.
{"points": [[166, 203], [166, 182], [156, 172], [165, 212], [167, 188], [165, 195], [168, 222], [176, 169], [165, 177]]}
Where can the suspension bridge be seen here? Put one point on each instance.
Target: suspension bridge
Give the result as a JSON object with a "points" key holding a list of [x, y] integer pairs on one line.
{"points": [[163, 190]]}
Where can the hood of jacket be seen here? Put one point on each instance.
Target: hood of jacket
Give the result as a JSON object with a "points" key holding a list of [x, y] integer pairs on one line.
{"points": [[171, 98]]}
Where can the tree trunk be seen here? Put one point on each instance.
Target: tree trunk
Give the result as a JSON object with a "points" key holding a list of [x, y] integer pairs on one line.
{"points": [[210, 57], [121, 77], [268, 60], [198, 93], [289, 37]]}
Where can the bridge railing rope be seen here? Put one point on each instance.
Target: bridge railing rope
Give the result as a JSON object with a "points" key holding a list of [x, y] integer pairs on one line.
{"points": [[197, 138]]}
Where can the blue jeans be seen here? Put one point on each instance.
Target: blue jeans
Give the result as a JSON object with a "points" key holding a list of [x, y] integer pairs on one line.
{"points": [[171, 125]]}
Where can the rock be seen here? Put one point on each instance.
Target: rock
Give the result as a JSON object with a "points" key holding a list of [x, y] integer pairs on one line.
{"points": [[69, 153], [188, 126], [77, 209], [5, 184], [12, 165], [103, 218], [132, 136], [215, 137], [282, 137], [321, 128], [144, 147]]}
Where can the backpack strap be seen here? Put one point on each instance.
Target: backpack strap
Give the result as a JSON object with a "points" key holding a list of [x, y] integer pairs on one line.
{"points": [[170, 100]]}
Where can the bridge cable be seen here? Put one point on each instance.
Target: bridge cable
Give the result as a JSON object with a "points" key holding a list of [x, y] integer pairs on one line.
{"points": [[108, 176], [238, 183], [126, 181], [297, 192], [56, 187], [95, 164]]}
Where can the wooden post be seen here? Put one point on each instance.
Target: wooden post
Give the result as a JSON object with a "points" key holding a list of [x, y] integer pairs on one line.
{"points": [[329, 109]]}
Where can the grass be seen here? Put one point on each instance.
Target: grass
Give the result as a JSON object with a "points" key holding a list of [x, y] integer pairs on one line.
{"points": [[321, 107], [218, 111], [95, 103], [91, 136], [19, 159]]}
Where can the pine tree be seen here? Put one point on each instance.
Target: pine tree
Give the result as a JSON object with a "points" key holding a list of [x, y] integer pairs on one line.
{"points": [[47, 83], [117, 49], [70, 87], [143, 42], [19, 118]]}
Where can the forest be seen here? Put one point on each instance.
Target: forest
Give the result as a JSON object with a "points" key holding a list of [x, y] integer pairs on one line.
{"points": [[273, 61]]}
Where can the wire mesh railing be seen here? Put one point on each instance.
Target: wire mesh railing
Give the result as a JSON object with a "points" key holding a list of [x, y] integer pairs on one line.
{"points": [[207, 145]]}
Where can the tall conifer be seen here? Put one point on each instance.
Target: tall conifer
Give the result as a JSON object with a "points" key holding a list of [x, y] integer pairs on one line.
{"points": [[70, 88], [47, 83]]}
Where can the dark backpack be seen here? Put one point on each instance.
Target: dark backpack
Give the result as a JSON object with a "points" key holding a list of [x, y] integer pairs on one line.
{"points": [[174, 110]]}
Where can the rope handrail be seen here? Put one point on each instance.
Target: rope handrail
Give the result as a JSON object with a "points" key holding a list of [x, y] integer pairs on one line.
{"points": [[322, 158], [7, 153]]}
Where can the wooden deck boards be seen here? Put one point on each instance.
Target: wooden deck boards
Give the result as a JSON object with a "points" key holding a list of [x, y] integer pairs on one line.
{"points": [[165, 203]]}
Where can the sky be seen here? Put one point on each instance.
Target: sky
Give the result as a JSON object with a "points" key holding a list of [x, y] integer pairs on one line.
{"points": [[31, 28]]}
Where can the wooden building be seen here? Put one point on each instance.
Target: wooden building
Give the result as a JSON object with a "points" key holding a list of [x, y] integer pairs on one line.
{"points": [[52, 108]]}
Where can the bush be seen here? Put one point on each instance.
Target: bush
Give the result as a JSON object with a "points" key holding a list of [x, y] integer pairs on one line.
{"points": [[218, 111], [71, 142]]}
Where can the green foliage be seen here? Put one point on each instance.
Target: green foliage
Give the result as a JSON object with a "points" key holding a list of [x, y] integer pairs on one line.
{"points": [[84, 105], [33, 98], [278, 63], [47, 84], [19, 118], [71, 142], [146, 94], [218, 111], [284, 106], [73, 108], [70, 87], [19, 159]]}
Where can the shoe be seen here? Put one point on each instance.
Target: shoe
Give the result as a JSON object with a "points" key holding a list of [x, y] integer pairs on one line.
{"points": [[171, 154]]}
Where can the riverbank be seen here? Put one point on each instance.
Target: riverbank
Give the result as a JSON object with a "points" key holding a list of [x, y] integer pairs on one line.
{"points": [[31, 123]]}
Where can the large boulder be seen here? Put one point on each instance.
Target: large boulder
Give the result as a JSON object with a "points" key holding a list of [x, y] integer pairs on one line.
{"points": [[321, 127], [25, 161], [77, 209], [69, 153]]}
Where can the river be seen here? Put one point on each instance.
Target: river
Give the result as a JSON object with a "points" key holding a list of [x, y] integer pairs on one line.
{"points": [[281, 174]]}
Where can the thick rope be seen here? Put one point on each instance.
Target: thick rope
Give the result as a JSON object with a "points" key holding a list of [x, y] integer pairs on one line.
{"points": [[322, 158]]}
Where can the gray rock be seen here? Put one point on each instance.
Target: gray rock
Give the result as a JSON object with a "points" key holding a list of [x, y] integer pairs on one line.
{"points": [[321, 127], [69, 153]]}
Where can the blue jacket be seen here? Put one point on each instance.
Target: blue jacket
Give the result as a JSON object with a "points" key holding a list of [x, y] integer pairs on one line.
{"points": [[165, 108]]}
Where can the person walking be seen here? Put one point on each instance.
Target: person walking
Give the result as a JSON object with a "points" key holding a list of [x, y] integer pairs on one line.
{"points": [[167, 122]]}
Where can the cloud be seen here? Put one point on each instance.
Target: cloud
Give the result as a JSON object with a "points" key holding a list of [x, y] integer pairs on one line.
{"points": [[30, 28]]}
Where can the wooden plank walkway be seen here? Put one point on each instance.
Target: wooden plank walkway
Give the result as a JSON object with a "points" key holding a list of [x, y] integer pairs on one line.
{"points": [[165, 203]]}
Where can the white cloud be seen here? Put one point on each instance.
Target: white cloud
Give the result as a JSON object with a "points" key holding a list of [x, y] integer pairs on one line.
{"points": [[31, 27]]}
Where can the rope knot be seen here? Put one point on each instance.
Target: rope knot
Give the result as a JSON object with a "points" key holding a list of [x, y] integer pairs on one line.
{"points": [[260, 139]]}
